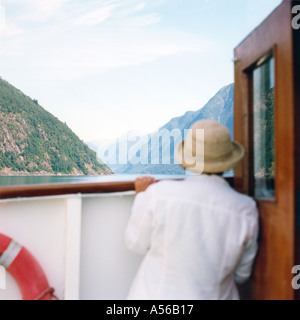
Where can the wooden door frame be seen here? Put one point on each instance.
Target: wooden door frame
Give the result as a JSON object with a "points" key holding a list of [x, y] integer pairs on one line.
{"points": [[272, 274]]}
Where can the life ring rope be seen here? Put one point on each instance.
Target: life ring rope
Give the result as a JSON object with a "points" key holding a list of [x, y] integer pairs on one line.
{"points": [[49, 290]]}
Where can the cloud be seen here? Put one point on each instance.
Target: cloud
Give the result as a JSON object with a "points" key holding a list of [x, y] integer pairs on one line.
{"points": [[41, 9], [25, 13], [91, 56], [143, 20], [140, 6], [95, 17], [72, 44], [48, 7]]}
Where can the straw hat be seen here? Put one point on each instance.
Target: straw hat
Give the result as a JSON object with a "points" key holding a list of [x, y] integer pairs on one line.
{"points": [[210, 149]]}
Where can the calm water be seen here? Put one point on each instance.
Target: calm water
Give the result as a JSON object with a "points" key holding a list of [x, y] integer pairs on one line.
{"points": [[27, 180]]}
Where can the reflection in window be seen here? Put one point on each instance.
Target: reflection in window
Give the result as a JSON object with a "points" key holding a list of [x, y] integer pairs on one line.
{"points": [[263, 130]]}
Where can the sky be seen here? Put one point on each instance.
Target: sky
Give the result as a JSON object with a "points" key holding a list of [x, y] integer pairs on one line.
{"points": [[106, 67]]}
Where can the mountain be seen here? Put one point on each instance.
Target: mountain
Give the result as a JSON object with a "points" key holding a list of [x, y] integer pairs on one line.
{"points": [[218, 108], [161, 144], [117, 152], [33, 141]]}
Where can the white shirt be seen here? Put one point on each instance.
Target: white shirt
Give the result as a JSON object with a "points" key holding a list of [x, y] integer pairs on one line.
{"points": [[199, 237]]}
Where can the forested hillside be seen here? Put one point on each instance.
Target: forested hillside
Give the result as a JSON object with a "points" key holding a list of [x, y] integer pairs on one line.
{"points": [[34, 141]]}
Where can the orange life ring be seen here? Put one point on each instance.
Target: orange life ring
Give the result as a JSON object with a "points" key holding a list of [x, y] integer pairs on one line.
{"points": [[25, 269]]}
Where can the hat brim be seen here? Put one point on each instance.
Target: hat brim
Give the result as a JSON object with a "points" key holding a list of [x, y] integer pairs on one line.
{"points": [[217, 166]]}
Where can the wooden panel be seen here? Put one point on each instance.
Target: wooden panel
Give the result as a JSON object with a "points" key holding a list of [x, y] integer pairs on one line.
{"points": [[64, 189], [297, 143], [272, 274]]}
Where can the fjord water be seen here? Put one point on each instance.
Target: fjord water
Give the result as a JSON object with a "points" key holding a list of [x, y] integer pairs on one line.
{"points": [[33, 180]]}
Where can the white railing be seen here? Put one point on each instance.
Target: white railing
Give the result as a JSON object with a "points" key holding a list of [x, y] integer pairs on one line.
{"points": [[77, 239]]}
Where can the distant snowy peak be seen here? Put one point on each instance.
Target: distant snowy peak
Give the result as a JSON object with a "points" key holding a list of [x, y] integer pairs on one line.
{"points": [[219, 108]]}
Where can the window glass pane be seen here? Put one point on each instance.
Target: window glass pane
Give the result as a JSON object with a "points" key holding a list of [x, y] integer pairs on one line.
{"points": [[263, 130]]}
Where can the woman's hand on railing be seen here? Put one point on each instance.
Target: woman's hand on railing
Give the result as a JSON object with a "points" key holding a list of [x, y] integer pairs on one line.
{"points": [[142, 183]]}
